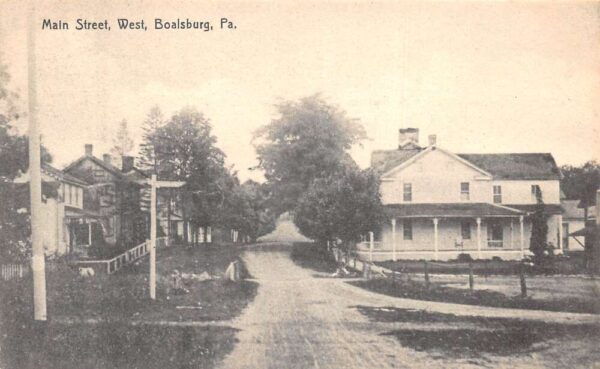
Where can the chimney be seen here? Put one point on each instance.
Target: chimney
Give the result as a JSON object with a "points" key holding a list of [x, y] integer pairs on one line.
{"points": [[127, 163], [411, 134], [432, 140], [89, 149], [106, 158]]}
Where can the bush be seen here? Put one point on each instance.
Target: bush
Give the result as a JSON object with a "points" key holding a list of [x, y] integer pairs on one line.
{"points": [[464, 258], [496, 258]]}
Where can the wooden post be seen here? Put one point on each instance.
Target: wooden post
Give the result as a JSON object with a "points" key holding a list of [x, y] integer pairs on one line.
{"points": [[435, 238], [471, 280], [38, 263], [478, 238], [371, 245], [426, 270], [523, 282], [394, 239], [153, 238]]}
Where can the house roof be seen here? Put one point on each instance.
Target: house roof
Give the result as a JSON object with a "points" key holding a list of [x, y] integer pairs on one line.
{"points": [[573, 211], [385, 160], [534, 166], [528, 166], [108, 167], [530, 208], [451, 210], [60, 175]]}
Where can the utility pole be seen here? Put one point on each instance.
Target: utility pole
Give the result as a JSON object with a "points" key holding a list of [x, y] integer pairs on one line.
{"points": [[35, 179], [154, 186]]}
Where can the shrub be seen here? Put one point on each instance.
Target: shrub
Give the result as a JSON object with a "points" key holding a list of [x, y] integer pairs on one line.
{"points": [[463, 257]]}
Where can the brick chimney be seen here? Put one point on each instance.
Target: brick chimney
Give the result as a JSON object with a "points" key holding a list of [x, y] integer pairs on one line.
{"points": [[411, 134], [89, 149], [106, 158], [432, 140], [127, 163]]}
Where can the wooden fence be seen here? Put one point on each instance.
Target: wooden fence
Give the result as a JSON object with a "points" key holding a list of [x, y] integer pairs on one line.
{"points": [[110, 266], [13, 271]]}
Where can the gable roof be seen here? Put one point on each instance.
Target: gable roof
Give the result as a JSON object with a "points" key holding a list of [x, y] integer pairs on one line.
{"points": [[108, 167], [528, 166], [385, 160], [60, 175], [574, 212], [534, 166]]}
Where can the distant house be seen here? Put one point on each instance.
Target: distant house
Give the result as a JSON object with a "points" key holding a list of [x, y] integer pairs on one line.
{"points": [[574, 221], [440, 204], [114, 196], [61, 209]]}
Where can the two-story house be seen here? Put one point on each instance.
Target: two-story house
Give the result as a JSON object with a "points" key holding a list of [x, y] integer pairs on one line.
{"points": [[114, 195], [441, 204]]}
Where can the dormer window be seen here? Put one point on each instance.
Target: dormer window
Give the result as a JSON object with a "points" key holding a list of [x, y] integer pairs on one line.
{"points": [[407, 192], [464, 191]]}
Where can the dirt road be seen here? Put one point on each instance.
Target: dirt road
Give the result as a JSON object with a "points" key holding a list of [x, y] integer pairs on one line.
{"points": [[300, 319]]}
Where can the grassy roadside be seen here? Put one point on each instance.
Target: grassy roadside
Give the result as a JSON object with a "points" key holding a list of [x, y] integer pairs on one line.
{"points": [[417, 290], [478, 340], [120, 298]]}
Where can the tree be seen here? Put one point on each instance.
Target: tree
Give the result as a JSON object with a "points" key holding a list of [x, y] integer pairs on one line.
{"points": [[122, 142], [15, 226], [154, 120], [185, 150], [581, 183], [309, 139], [345, 206], [538, 244]]}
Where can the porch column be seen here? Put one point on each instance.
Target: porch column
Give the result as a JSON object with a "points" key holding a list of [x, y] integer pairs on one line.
{"points": [[478, 238], [371, 245], [394, 239], [511, 233], [560, 234], [89, 233], [522, 240], [435, 238]]}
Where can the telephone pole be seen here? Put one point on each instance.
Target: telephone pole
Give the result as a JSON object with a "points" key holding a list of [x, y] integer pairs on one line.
{"points": [[35, 179]]}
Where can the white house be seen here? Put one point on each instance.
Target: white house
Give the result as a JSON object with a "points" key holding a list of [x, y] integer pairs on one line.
{"points": [[573, 221], [441, 204]]}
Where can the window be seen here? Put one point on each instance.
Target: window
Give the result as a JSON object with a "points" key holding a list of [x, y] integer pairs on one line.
{"points": [[535, 193], [465, 230], [497, 194], [407, 192], [76, 190], [407, 229], [495, 234], [464, 191], [69, 198], [565, 238], [80, 197]]}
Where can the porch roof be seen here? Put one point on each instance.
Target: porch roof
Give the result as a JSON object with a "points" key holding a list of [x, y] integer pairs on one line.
{"points": [[72, 212], [452, 210]]}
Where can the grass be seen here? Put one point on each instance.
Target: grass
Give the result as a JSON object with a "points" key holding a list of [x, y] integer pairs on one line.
{"points": [[120, 298], [463, 337], [417, 290]]}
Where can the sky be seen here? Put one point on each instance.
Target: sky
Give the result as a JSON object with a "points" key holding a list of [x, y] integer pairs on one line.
{"points": [[484, 77]]}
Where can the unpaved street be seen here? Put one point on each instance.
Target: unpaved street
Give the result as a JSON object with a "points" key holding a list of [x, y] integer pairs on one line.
{"points": [[300, 319]]}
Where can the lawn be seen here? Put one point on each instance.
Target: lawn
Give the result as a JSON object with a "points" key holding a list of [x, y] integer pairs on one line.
{"points": [[416, 289], [123, 297], [491, 341]]}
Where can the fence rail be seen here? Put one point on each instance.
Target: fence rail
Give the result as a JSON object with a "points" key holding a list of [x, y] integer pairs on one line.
{"points": [[13, 271], [116, 263]]}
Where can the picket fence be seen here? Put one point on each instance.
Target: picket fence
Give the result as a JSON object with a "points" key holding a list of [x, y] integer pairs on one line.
{"points": [[13, 271]]}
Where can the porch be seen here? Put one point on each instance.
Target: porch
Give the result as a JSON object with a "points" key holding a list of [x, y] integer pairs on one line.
{"points": [[444, 231]]}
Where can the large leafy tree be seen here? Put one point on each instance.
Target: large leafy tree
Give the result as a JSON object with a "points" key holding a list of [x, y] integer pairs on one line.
{"points": [[309, 139], [184, 150], [14, 157], [342, 206], [581, 183]]}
